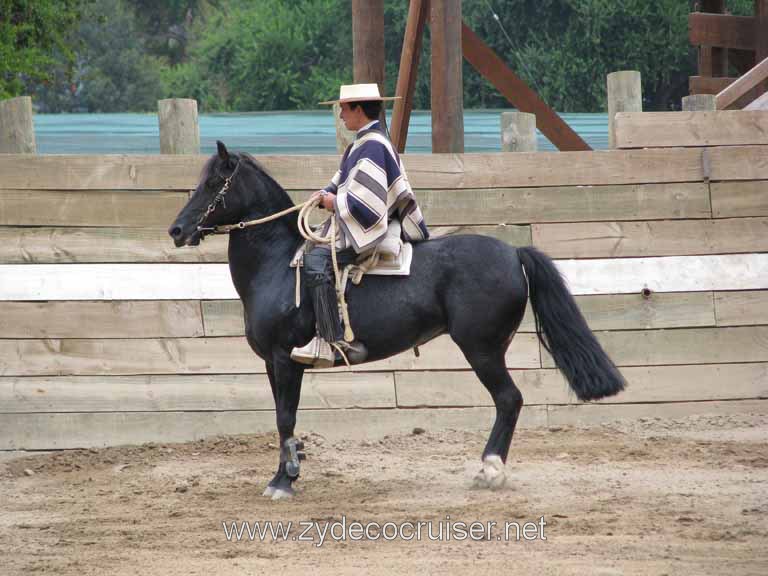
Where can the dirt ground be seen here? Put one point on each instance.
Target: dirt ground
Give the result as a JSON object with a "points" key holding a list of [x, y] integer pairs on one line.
{"points": [[648, 497]]}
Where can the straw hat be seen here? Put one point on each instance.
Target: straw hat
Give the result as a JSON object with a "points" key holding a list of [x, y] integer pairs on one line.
{"points": [[359, 93]]}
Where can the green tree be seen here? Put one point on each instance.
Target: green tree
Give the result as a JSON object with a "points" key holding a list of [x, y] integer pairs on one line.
{"points": [[35, 39], [115, 71], [267, 55]]}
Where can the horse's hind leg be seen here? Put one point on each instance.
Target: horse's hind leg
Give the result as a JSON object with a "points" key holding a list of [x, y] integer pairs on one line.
{"points": [[491, 368]]}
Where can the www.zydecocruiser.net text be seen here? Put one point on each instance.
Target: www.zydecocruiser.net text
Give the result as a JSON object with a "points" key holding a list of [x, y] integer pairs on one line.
{"points": [[343, 530]]}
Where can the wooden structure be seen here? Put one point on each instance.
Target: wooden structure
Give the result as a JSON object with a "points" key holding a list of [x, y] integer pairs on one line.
{"points": [[728, 42], [450, 39], [110, 335]]}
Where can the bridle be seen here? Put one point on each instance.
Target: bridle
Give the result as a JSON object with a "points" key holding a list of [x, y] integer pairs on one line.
{"points": [[304, 208], [220, 198]]}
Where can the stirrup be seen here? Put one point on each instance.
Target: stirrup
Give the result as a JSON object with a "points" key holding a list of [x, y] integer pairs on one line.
{"points": [[317, 353]]}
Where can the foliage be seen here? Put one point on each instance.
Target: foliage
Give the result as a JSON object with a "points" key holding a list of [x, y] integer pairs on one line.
{"points": [[268, 55], [289, 54], [34, 37]]}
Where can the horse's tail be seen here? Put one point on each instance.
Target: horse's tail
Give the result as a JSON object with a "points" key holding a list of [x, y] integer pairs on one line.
{"points": [[564, 332]]}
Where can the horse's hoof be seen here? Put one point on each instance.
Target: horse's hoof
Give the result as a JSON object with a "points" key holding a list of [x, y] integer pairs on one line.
{"points": [[492, 475], [280, 494], [269, 491]]}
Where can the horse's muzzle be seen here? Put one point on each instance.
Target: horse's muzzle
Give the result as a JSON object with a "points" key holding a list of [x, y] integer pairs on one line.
{"points": [[180, 238]]}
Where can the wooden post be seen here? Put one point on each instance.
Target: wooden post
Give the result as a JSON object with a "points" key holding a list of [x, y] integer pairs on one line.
{"points": [[518, 132], [713, 61], [17, 130], [368, 44], [418, 11], [447, 80], [344, 137], [698, 102], [761, 36], [625, 94], [179, 131]]}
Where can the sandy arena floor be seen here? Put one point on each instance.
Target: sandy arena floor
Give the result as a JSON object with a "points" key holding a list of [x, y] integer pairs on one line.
{"points": [[650, 497]]}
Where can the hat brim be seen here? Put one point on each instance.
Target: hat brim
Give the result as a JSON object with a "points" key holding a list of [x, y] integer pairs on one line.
{"points": [[362, 99]]}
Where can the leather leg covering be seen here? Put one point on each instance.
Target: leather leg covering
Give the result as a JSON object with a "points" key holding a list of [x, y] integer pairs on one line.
{"points": [[327, 311]]}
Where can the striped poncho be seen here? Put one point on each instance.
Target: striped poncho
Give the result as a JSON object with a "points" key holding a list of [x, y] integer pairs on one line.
{"points": [[371, 187]]}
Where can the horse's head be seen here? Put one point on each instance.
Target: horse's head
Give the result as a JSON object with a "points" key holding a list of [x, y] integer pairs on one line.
{"points": [[219, 198]]}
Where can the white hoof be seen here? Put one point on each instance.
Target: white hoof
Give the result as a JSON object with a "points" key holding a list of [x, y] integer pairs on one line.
{"points": [[268, 491], [492, 475], [280, 494]]}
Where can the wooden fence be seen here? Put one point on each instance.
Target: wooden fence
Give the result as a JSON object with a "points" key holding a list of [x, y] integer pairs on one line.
{"points": [[108, 334]]}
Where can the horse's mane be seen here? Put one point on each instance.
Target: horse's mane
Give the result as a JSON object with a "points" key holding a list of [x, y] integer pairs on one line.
{"points": [[279, 198]]}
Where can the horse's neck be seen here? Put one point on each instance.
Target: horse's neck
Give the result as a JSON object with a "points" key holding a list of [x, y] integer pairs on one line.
{"points": [[263, 251]]}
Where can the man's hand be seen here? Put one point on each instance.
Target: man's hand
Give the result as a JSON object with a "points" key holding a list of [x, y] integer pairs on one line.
{"points": [[326, 199]]}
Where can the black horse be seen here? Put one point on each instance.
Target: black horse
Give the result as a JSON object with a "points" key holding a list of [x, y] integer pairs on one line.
{"points": [[472, 287]]}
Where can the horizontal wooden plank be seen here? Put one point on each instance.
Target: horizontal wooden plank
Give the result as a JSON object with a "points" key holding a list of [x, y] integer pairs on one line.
{"points": [[177, 172], [603, 312], [739, 163], [666, 274], [593, 414], [75, 430], [683, 346], [708, 84], [462, 389], [228, 355], [565, 204], [101, 208], [723, 30], [547, 386], [746, 308], [212, 281], [144, 319], [45, 431], [147, 245], [730, 199], [668, 129], [657, 310], [658, 238], [191, 392], [101, 245], [511, 234]]}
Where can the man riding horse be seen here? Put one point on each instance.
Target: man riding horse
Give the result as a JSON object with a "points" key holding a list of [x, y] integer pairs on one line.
{"points": [[369, 188]]}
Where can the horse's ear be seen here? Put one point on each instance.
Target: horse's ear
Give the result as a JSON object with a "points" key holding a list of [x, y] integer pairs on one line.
{"points": [[223, 153]]}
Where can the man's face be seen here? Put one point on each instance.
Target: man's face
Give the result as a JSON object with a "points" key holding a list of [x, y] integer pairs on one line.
{"points": [[353, 118]]}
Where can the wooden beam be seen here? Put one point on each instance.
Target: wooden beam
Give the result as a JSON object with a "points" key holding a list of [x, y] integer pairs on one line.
{"points": [[447, 80], [707, 85], [368, 43], [418, 12], [512, 87], [721, 30], [743, 85]]}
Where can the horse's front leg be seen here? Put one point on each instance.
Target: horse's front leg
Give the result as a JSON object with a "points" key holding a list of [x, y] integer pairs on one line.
{"points": [[285, 377]]}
